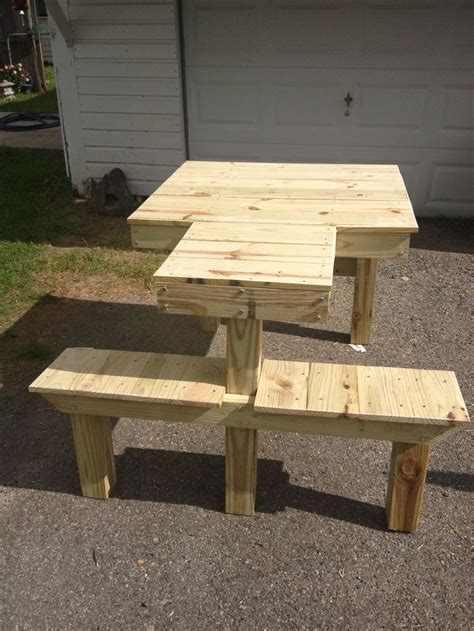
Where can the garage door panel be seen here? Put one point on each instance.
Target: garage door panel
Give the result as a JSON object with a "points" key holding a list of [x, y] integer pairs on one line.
{"points": [[314, 104], [320, 27], [458, 108], [451, 183], [266, 81], [391, 105]]}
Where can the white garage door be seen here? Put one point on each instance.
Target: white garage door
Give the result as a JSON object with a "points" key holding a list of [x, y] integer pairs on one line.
{"points": [[267, 80]]}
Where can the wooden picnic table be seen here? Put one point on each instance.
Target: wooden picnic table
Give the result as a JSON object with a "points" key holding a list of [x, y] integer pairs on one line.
{"points": [[367, 205], [254, 242]]}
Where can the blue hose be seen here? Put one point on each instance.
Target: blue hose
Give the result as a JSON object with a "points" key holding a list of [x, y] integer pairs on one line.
{"points": [[38, 121]]}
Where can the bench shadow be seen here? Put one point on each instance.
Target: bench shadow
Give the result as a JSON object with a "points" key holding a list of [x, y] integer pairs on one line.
{"points": [[299, 330], [453, 479]]}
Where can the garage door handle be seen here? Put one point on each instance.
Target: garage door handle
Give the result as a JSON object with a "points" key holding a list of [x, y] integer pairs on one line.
{"points": [[348, 101]]}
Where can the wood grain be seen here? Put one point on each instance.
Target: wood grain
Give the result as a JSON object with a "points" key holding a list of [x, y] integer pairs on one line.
{"points": [[95, 454], [242, 302], [244, 353], [361, 197], [208, 323], [401, 395], [406, 486], [253, 256], [158, 378], [238, 411], [363, 304]]}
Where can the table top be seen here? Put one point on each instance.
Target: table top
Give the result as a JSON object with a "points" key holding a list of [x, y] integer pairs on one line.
{"points": [[253, 255], [351, 197]]}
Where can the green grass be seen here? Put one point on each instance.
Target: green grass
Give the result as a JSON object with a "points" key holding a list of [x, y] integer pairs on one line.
{"points": [[48, 242], [35, 196], [46, 103]]}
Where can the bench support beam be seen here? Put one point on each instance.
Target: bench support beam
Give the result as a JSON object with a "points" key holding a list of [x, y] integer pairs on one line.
{"points": [[244, 356], [406, 485], [363, 306], [95, 454]]}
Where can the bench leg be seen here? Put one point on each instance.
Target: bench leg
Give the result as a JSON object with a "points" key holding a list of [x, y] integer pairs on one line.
{"points": [[363, 306], [240, 470], [209, 323], [95, 454], [406, 485], [244, 354]]}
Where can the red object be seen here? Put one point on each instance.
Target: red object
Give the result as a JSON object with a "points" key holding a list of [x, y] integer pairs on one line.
{"points": [[20, 5]]}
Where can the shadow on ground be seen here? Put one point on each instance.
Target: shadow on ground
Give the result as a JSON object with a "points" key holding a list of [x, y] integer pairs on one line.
{"points": [[455, 235]]}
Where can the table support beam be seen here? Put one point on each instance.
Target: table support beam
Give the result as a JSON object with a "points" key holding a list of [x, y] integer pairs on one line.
{"points": [[209, 323], [363, 306], [244, 354]]}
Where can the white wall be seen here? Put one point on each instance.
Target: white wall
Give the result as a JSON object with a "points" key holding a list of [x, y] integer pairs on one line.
{"points": [[45, 37], [120, 91]]}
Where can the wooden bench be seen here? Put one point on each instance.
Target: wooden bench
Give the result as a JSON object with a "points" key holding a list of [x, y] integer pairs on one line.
{"points": [[411, 408]]}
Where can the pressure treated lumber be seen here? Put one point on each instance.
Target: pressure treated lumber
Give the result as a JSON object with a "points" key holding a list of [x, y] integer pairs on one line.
{"points": [[255, 303], [283, 274], [151, 377], [368, 393], [411, 408], [406, 486], [244, 355], [238, 411], [209, 323], [364, 198], [349, 244], [273, 259], [94, 454], [363, 304]]}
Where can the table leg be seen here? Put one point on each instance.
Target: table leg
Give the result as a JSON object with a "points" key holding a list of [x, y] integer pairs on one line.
{"points": [[209, 323], [363, 306], [244, 352], [406, 485]]}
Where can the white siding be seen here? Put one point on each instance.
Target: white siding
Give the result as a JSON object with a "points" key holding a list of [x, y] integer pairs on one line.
{"points": [[45, 37], [127, 82]]}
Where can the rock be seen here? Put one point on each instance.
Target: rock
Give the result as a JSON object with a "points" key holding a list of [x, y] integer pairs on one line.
{"points": [[110, 195]]}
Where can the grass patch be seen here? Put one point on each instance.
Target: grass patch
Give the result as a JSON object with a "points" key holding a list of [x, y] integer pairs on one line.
{"points": [[39, 103], [19, 263], [49, 243], [36, 195]]}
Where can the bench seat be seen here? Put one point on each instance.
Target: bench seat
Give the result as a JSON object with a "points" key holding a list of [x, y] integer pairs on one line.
{"points": [[139, 377], [371, 393], [409, 407]]}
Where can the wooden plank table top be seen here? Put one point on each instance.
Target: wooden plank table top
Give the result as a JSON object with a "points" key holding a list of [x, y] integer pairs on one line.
{"points": [[253, 255], [249, 270], [352, 198]]}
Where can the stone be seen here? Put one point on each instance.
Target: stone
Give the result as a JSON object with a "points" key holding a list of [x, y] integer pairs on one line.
{"points": [[111, 196]]}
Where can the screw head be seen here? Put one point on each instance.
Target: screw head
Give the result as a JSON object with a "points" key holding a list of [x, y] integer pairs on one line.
{"points": [[165, 306], [318, 317], [164, 288], [241, 311]]}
